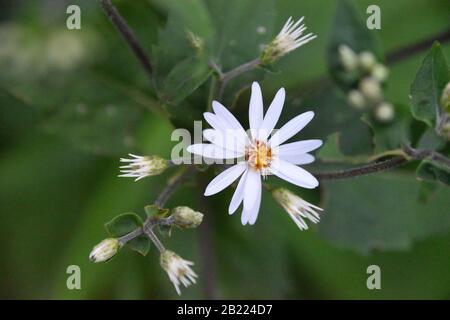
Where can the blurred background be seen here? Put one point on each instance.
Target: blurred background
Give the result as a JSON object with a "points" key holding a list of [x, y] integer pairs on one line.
{"points": [[72, 102]]}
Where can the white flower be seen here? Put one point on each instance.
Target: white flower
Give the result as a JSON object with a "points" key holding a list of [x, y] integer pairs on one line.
{"points": [[297, 208], [380, 72], [178, 269], [385, 112], [258, 156], [289, 39], [105, 250], [348, 57], [371, 89], [367, 60], [356, 99], [140, 167]]}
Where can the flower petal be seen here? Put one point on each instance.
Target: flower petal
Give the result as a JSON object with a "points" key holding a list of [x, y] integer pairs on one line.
{"points": [[222, 140], [299, 147], [230, 133], [228, 118], [253, 215], [225, 178], [252, 195], [298, 160], [213, 152], [272, 114], [238, 195], [293, 174], [255, 111], [291, 128]]}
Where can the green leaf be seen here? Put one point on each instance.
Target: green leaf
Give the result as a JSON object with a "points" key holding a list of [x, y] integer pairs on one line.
{"points": [[430, 170], [153, 211], [140, 244], [126, 223], [349, 29], [183, 79], [381, 212], [356, 139], [165, 230], [123, 224], [427, 87]]}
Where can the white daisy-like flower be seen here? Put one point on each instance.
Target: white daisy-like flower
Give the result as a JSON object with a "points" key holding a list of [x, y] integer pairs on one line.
{"points": [[288, 39], [297, 208], [140, 167], [257, 155], [178, 269]]}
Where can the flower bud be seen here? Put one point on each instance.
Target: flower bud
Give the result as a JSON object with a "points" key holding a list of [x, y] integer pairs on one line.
{"points": [[445, 99], [297, 208], [371, 89], [385, 112], [178, 269], [140, 167], [195, 41], [105, 250], [367, 60], [348, 57], [184, 217], [380, 72], [356, 99]]}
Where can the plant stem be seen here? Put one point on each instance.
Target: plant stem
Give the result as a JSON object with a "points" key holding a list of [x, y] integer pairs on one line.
{"points": [[149, 232], [233, 73], [172, 186], [128, 35], [367, 169], [410, 154]]}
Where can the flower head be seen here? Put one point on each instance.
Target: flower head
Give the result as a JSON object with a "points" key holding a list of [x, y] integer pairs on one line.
{"points": [[105, 250], [289, 39], [178, 269], [259, 154], [297, 208], [140, 167], [348, 57]]}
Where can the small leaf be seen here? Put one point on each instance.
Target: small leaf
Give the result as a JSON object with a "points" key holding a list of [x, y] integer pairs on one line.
{"points": [[140, 244], [153, 211], [430, 170], [428, 85], [165, 230], [123, 224]]}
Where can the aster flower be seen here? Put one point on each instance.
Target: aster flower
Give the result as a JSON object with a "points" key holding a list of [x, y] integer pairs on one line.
{"points": [[178, 269], [297, 208], [289, 39], [140, 167], [257, 155]]}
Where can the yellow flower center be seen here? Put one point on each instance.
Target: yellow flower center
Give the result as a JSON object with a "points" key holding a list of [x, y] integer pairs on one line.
{"points": [[258, 155]]}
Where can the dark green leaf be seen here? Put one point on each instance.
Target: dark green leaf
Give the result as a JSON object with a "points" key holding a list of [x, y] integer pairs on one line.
{"points": [[381, 212], [153, 211], [432, 170], [426, 89], [140, 244], [123, 224], [349, 29]]}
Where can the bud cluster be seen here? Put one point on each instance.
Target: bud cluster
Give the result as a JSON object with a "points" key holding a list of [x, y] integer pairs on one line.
{"points": [[370, 76]]}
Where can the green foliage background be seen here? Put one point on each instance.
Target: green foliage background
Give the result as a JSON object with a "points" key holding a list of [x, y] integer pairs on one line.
{"points": [[73, 102]]}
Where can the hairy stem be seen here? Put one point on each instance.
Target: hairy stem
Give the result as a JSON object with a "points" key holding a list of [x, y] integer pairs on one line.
{"points": [[233, 73], [128, 35], [149, 232]]}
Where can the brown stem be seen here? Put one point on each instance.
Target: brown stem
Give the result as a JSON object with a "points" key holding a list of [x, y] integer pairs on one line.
{"points": [[128, 35]]}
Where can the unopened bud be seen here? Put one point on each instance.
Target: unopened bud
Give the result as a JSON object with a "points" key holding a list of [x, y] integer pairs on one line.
{"points": [[348, 57], [367, 60], [371, 89], [356, 99], [445, 99], [105, 250], [385, 112], [140, 167], [184, 217], [380, 72]]}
